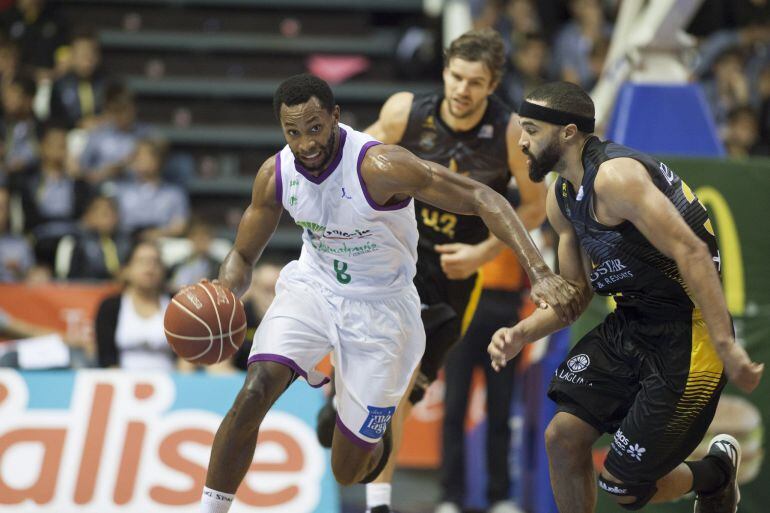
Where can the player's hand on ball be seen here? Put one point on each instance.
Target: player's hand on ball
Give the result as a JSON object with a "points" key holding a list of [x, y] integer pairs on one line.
{"points": [[506, 344], [554, 291], [741, 371], [459, 261]]}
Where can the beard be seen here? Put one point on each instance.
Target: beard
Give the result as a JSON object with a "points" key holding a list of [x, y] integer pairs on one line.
{"points": [[326, 152], [540, 166]]}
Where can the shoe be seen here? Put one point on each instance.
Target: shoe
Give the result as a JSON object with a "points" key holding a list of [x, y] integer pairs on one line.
{"points": [[325, 421], [505, 507], [726, 499], [447, 507], [384, 508]]}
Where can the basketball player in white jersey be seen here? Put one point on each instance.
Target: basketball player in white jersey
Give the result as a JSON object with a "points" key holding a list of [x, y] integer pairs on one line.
{"points": [[351, 292]]}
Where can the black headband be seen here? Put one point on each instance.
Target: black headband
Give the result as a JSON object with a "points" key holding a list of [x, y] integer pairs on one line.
{"points": [[557, 117]]}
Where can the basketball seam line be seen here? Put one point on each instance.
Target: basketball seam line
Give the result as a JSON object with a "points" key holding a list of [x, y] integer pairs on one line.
{"points": [[192, 314], [219, 321], [188, 337], [230, 325]]}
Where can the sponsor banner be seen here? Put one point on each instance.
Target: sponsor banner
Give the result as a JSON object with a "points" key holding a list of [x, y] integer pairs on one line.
{"points": [[110, 441], [69, 309]]}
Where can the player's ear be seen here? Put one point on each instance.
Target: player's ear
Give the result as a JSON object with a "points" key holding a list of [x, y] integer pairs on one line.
{"points": [[569, 131], [336, 113]]}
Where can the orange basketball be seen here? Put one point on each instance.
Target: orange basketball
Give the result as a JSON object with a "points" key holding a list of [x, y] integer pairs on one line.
{"points": [[205, 323]]}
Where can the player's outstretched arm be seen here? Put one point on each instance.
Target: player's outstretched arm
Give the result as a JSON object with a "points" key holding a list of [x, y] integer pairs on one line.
{"points": [[257, 225], [573, 267], [394, 115], [626, 192], [392, 173]]}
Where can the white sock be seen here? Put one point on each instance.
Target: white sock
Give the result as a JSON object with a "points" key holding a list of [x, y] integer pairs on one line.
{"points": [[377, 494], [215, 502]]}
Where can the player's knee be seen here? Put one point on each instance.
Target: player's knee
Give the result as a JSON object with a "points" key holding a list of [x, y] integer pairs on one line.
{"points": [[255, 396], [561, 442], [630, 496]]}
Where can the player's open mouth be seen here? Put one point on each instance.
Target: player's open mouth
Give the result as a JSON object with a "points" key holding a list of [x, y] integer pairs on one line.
{"points": [[313, 158]]}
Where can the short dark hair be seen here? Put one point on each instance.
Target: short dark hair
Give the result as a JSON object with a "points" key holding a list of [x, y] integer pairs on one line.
{"points": [[564, 96], [482, 45], [299, 89], [116, 94]]}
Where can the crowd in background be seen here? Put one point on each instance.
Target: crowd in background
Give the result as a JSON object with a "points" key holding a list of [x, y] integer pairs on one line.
{"points": [[87, 191]]}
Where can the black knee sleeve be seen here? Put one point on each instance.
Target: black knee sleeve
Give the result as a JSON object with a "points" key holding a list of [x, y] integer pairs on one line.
{"points": [[643, 492]]}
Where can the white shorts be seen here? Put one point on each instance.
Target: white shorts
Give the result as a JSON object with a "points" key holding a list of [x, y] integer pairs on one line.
{"points": [[376, 345]]}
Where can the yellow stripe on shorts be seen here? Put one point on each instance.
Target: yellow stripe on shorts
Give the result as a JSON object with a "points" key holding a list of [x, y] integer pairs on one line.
{"points": [[703, 378], [473, 303]]}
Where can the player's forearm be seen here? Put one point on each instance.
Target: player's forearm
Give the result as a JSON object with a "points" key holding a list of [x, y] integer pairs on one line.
{"points": [[702, 281], [503, 222], [235, 273], [540, 324]]}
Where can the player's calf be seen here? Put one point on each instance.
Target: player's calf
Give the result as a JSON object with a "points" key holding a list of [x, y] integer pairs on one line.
{"points": [[355, 461]]}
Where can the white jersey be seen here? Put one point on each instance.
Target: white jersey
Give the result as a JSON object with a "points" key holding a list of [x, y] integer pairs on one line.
{"points": [[350, 244]]}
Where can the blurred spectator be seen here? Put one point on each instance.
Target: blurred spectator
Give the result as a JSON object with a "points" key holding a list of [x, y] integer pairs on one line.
{"points": [[763, 102], [256, 301], [714, 15], [742, 134], [78, 96], [148, 207], [9, 63], [39, 32], [728, 86], [111, 145], [51, 200], [19, 131], [96, 250], [526, 69], [16, 257], [129, 325], [200, 264], [514, 19], [575, 41]]}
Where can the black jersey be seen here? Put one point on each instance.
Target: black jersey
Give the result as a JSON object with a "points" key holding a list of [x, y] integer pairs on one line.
{"points": [[625, 264], [480, 153]]}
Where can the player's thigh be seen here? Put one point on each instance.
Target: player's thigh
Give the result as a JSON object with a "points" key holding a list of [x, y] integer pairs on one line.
{"points": [[380, 344], [598, 380], [294, 332]]}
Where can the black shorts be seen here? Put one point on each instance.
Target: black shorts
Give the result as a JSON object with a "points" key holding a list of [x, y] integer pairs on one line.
{"points": [[654, 384], [448, 307]]}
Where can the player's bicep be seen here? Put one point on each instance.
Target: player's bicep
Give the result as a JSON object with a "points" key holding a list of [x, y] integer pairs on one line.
{"points": [[634, 197], [574, 264], [261, 217]]}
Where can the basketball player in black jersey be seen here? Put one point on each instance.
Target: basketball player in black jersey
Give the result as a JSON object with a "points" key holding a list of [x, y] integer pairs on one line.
{"points": [[472, 132], [653, 371]]}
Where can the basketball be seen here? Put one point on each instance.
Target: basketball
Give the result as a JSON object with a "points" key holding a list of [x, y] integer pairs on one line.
{"points": [[205, 323]]}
